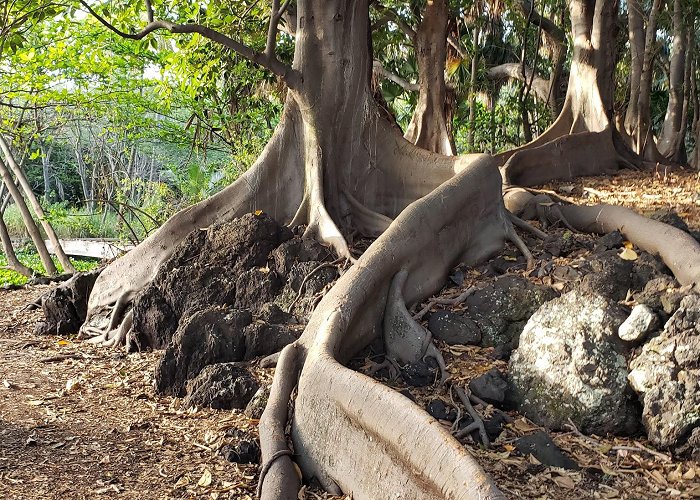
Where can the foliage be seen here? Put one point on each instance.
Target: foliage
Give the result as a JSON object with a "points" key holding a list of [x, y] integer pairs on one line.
{"points": [[31, 260]]}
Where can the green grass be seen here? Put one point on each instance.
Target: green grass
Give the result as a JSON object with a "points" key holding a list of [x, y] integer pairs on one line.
{"points": [[31, 259]]}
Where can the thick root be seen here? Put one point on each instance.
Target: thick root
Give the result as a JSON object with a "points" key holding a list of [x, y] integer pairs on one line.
{"points": [[679, 250], [347, 425]]}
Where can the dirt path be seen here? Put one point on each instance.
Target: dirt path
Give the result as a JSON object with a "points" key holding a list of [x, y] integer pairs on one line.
{"points": [[82, 422]]}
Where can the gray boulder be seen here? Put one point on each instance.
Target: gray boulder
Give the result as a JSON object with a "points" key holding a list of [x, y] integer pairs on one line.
{"points": [[502, 308], [666, 375], [453, 328], [223, 386], [569, 366]]}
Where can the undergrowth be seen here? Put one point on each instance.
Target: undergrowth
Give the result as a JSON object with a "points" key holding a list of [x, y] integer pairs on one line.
{"points": [[31, 259]]}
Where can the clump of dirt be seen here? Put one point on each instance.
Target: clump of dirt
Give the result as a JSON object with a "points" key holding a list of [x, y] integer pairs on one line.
{"points": [[237, 291]]}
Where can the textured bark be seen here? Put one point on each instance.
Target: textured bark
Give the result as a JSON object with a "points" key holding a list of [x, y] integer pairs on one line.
{"points": [[672, 136], [645, 143], [635, 29], [430, 124], [585, 120]]}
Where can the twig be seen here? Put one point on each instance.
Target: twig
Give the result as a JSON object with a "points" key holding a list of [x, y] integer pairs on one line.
{"points": [[61, 357], [478, 422], [452, 301], [308, 276]]}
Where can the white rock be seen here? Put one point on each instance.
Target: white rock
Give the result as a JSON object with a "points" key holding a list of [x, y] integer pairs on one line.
{"points": [[641, 321]]}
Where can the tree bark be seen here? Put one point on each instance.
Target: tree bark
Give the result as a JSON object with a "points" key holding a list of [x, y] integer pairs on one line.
{"points": [[644, 137], [429, 127], [672, 137]]}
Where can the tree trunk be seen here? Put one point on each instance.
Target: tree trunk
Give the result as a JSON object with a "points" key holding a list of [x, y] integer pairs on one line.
{"points": [[29, 223], [672, 137], [585, 119], [38, 210], [7, 248], [472, 90], [635, 28], [429, 127], [46, 169], [645, 143]]}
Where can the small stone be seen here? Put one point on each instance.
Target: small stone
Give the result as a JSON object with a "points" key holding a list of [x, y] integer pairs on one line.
{"points": [[639, 324], [257, 404], [439, 410], [222, 386], [419, 374], [453, 328], [494, 425], [243, 452], [610, 241], [490, 386], [541, 446]]}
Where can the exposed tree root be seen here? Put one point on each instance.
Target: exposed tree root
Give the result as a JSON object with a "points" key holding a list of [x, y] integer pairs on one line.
{"points": [[476, 425], [679, 250], [345, 428], [405, 340]]}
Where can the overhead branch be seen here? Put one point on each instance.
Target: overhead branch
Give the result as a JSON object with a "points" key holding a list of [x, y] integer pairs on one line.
{"points": [[555, 33], [275, 15], [524, 74], [388, 75], [398, 20], [269, 62]]}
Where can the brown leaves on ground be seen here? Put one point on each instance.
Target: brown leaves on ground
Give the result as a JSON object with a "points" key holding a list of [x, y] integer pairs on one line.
{"points": [[78, 421]]}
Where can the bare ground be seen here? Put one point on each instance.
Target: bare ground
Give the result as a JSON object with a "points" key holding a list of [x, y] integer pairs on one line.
{"points": [[78, 421]]}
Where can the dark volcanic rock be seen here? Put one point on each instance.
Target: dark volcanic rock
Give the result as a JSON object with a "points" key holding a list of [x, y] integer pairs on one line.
{"points": [[255, 407], [502, 308], [611, 276], [541, 446], [254, 288], [453, 328], [298, 250], [154, 320], [205, 270], [207, 337], [569, 366], [670, 216], [271, 313], [490, 386], [666, 375], [440, 411], [262, 339], [65, 307], [223, 386], [420, 374], [611, 241], [243, 450]]}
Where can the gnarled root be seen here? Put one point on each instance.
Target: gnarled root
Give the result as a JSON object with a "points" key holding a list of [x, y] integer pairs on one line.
{"points": [[679, 250], [406, 340], [351, 431]]}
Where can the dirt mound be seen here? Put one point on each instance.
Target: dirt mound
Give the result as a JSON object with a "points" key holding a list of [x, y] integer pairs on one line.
{"points": [[218, 298]]}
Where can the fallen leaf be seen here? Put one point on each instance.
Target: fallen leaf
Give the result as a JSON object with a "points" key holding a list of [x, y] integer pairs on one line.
{"points": [[8, 384], [564, 482], [205, 480], [628, 254]]}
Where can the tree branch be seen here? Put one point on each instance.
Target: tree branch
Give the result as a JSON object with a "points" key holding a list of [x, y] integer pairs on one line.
{"points": [[515, 71], [275, 15], [388, 75], [268, 62], [393, 16]]}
